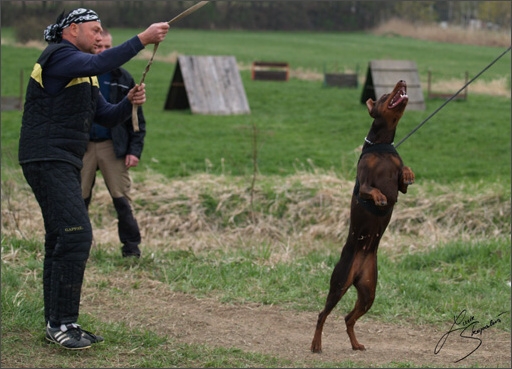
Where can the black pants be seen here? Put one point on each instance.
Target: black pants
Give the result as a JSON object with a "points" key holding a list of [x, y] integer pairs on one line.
{"points": [[56, 186]]}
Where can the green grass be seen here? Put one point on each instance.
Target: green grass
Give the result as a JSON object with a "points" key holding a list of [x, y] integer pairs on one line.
{"points": [[301, 125], [434, 284]]}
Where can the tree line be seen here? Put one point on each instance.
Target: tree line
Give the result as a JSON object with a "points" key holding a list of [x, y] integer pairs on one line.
{"points": [[323, 15]]}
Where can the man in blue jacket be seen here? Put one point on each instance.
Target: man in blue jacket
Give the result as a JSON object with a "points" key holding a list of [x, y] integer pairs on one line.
{"points": [[62, 100], [114, 151]]}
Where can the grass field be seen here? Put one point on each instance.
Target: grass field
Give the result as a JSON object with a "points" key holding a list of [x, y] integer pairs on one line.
{"points": [[302, 125], [447, 248]]}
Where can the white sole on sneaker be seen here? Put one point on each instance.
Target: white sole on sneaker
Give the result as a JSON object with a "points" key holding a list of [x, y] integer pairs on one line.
{"points": [[51, 340]]}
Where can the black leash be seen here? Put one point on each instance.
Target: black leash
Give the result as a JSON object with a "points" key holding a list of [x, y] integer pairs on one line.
{"points": [[452, 97]]}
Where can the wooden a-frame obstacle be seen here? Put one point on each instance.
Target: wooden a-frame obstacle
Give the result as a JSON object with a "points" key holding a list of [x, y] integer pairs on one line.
{"points": [[207, 85], [382, 76]]}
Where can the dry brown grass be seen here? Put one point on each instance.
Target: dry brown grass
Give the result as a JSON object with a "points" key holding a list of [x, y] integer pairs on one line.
{"points": [[450, 34], [304, 210], [495, 87]]}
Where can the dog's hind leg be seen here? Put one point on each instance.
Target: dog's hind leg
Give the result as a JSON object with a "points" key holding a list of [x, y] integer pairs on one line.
{"points": [[341, 280], [365, 283], [332, 300]]}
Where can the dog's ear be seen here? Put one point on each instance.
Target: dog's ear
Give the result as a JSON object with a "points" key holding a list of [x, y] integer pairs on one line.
{"points": [[370, 104]]}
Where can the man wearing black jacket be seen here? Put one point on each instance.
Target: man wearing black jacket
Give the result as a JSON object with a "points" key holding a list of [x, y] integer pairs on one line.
{"points": [[62, 99], [114, 151]]}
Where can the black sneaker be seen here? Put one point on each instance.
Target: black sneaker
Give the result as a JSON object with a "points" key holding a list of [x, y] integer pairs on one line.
{"points": [[91, 337], [68, 336]]}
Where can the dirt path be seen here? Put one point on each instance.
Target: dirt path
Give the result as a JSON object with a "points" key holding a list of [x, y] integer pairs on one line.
{"points": [[285, 334]]}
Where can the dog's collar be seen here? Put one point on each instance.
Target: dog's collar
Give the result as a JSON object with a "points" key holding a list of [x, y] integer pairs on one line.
{"points": [[373, 143], [378, 148]]}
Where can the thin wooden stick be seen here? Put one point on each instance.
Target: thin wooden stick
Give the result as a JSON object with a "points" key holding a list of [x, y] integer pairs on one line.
{"points": [[193, 8]]}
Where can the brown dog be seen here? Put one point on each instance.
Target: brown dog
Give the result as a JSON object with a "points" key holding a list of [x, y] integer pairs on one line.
{"points": [[380, 175]]}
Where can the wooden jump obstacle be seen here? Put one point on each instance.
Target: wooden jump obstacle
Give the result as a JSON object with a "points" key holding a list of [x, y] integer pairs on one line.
{"points": [[336, 79], [270, 71], [340, 80]]}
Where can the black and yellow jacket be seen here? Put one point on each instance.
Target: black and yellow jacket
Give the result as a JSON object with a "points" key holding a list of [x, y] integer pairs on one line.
{"points": [[55, 125]]}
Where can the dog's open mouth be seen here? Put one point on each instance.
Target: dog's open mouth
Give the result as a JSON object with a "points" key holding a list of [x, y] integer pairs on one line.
{"points": [[399, 97]]}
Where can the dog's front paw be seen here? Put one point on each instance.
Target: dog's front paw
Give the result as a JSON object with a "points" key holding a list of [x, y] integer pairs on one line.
{"points": [[380, 199], [407, 175]]}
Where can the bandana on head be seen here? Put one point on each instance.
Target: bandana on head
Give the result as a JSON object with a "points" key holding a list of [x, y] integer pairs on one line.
{"points": [[53, 33]]}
